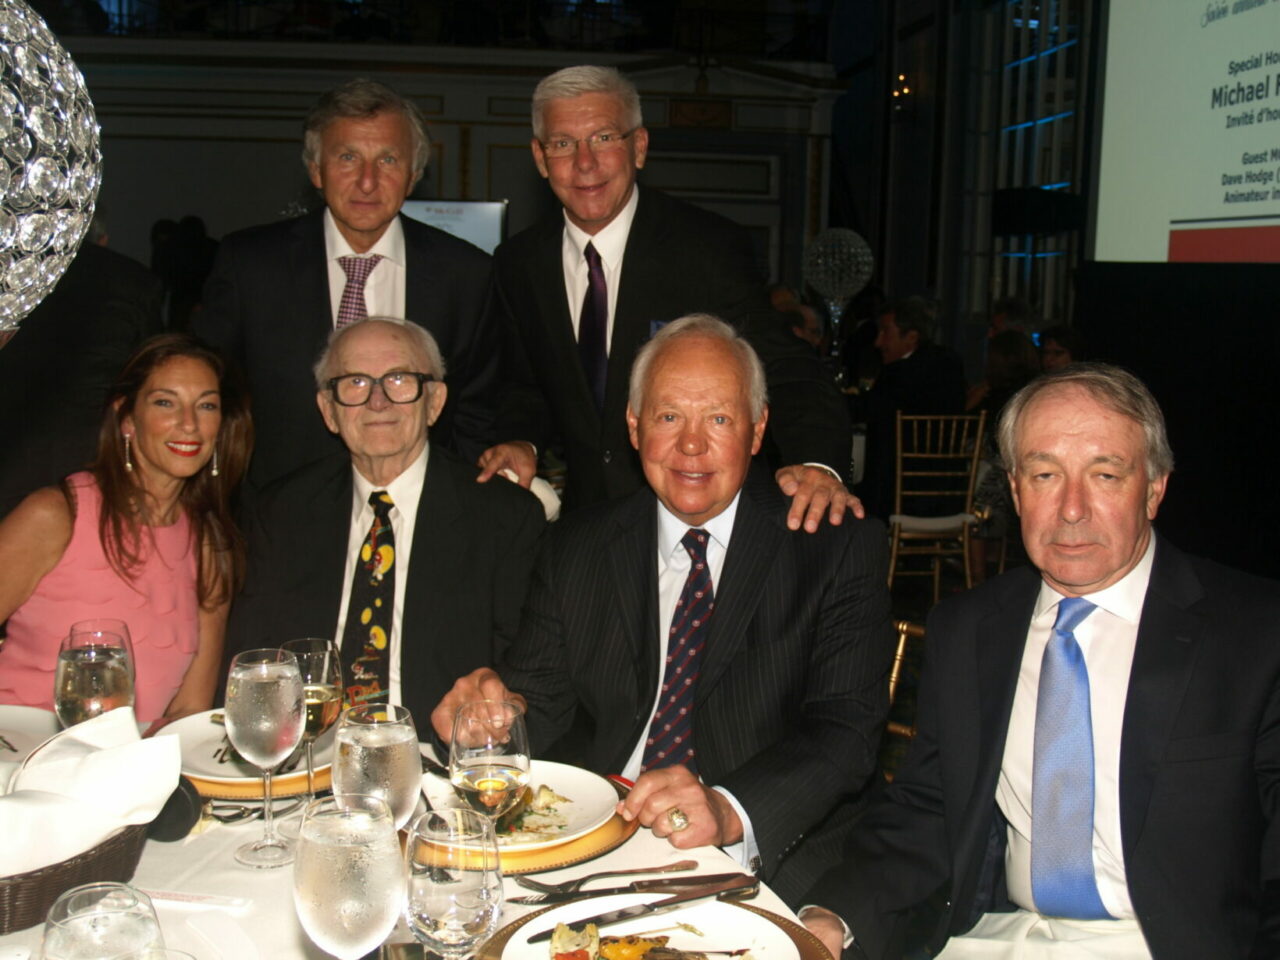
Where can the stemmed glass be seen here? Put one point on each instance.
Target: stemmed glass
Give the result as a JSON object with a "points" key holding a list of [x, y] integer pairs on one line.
{"points": [[489, 755], [94, 674], [455, 881], [321, 670], [100, 920], [376, 754], [348, 881], [264, 718]]}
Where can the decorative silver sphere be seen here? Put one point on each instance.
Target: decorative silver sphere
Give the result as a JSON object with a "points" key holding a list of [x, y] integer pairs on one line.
{"points": [[50, 161]]}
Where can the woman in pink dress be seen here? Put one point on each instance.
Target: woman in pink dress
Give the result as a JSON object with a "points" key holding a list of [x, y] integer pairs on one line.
{"points": [[144, 535]]}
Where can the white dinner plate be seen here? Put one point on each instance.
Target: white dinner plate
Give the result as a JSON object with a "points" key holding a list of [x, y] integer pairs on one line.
{"points": [[201, 741], [723, 927], [24, 729], [592, 800]]}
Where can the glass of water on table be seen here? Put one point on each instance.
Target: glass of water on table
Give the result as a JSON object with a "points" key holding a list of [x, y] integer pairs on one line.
{"points": [[454, 897], [264, 719], [100, 920], [376, 754], [95, 671]]}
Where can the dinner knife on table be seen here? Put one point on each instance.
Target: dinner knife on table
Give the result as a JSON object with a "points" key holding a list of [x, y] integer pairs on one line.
{"points": [[739, 883], [674, 884]]}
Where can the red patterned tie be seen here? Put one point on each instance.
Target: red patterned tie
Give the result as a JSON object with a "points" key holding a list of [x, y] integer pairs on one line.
{"points": [[670, 738], [352, 307]]}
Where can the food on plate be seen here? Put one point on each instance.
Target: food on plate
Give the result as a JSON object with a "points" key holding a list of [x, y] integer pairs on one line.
{"points": [[629, 948], [570, 944], [537, 816]]}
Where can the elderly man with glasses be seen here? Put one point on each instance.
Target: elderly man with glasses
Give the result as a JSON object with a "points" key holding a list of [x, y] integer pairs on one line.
{"points": [[390, 547]]}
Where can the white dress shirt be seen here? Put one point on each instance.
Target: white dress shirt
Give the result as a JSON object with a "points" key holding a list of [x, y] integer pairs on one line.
{"points": [[1107, 638], [673, 570], [384, 289], [610, 243], [405, 491]]}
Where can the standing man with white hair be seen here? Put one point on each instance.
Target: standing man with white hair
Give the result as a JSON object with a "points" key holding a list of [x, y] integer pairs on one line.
{"points": [[389, 544], [584, 288], [277, 290]]}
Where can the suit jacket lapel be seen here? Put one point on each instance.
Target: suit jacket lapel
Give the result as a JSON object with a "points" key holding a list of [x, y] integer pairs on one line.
{"points": [[439, 514], [321, 544], [1168, 638], [546, 283], [630, 312], [757, 538], [418, 276], [309, 275], [633, 560]]}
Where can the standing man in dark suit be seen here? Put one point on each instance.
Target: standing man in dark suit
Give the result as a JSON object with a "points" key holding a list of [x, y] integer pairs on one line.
{"points": [[57, 369], [458, 559], [736, 669], [278, 290], [1096, 771], [583, 289]]}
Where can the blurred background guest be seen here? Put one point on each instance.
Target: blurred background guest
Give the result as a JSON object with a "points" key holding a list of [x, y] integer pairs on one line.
{"points": [[1059, 347], [144, 535]]}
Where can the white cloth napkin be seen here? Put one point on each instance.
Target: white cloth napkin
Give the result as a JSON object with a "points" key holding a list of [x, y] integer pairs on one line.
{"points": [[81, 787]]}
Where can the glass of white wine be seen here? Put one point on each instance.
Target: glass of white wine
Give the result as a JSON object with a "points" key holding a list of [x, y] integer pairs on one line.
{"points": [[489, 755], [94, 674], [455, 881], [348, 879], [100, 920], [264, 719], [376, 754], [321, 669]]}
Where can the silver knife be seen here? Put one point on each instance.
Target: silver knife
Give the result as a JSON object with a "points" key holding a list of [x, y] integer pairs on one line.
{"points": [[635, 886], [741, 882]]}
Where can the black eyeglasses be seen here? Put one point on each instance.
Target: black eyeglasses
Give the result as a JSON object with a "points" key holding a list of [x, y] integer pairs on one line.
{"points": [[355, 389]]}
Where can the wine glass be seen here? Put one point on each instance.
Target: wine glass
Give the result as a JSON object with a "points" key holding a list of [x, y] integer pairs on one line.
{"points": [[348, 879], [94, 674], [321, 669], [97, 920], [489, 755], [264, 719], [455, 881], [376, 753]]}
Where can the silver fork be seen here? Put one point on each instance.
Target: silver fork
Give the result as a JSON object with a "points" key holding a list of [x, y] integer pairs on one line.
{"points": [[573, 886]]}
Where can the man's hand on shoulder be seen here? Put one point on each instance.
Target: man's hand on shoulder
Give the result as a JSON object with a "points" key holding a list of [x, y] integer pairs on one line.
{"points": [[481, 684], [517, 456], [813, 492], [712, 819]]}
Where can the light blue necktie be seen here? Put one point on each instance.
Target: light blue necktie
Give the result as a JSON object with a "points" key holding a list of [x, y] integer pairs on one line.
{"points": [[1062, 879]]}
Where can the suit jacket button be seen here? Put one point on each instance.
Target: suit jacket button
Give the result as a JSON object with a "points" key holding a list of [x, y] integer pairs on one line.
{"points": [[608, 456]]}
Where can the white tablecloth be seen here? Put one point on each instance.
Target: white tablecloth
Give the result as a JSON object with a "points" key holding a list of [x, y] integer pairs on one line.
{"points": [[268, 928]]}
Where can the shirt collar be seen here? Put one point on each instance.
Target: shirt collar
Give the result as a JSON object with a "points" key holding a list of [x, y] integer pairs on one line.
{"points": [[611, 241], [404, 489], [671, 529], [1122, 599], [390, 245]]}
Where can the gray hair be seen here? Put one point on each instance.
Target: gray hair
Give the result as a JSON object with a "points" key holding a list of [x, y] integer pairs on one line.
{"points": [[700, 325], [1116, 389], [576, 81], [419, 336], [365, 99]]}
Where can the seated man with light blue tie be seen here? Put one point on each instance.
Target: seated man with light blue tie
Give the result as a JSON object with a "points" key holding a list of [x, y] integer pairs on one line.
{"points": [[736, 669], [1096, 770]]}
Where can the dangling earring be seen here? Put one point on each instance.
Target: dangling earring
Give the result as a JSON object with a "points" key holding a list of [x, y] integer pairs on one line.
{"points": [[214, 470], [128, 462]]}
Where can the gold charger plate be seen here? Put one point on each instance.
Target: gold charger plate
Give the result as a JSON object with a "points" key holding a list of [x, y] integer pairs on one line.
{"points": [[807, 945], [292, 785]]}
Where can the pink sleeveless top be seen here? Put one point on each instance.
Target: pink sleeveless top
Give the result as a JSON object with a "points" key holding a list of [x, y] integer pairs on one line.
{"points": [[159, 605]]}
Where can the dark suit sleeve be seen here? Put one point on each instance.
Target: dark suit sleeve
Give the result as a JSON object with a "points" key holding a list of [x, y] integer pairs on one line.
{"points": [[1267, 765], [220, 320], [512, 572], [808, 420], [474, 372], [522, 412], [828, 755]]}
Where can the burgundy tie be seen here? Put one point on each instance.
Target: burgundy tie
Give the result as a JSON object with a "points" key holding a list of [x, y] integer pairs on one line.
{"points": [[593, 325], [352, 307], [670, 738]]}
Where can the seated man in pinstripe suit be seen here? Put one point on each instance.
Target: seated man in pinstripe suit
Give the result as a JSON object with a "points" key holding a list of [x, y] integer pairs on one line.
{"points": [[735, 669]]}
